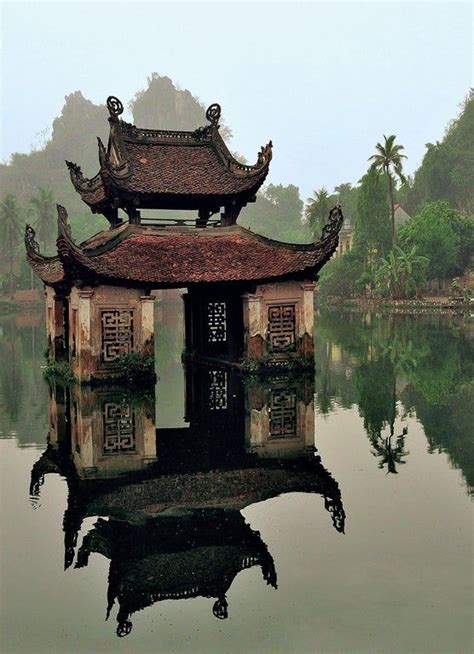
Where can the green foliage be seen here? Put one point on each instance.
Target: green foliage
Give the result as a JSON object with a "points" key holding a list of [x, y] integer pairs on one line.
{"points": [[277, 214], [268, 365], [388, 160], [431, 232], [59, 371], [372, 234], [447, 169], [341, 277], [136, 369], [10, 237], [43, 210], [317, 211], [399, 275]]}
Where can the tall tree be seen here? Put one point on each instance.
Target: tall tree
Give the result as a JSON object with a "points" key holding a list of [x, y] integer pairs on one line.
{"points": [[9, 232], [42, 207], [372, 233], [447, 169], [317, 211], [388, 160]]}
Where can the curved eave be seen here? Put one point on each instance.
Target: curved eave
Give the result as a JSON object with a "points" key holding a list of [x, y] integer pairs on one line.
{"points": [[49, 269]]}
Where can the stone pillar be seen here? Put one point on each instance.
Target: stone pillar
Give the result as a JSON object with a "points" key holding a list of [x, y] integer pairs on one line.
{"points": [[307, 319], [86, 366], [147, 305], [58, 336], [254, 336]]}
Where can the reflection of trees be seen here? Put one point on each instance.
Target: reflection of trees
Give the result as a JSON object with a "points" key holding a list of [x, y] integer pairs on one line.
{"points": [[22, 387], [424, 356]]}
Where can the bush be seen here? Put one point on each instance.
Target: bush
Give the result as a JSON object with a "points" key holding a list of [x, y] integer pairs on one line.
{"points": [[339, 278], [136, 369], [59, 372]]}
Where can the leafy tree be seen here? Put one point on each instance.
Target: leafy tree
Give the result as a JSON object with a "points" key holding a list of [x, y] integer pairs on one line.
{"points": [[447, 170], [317, 211], [42, 207], [339, 277], [372, 233], [277, 213], [9, 232], [347, 196], [431, 233], [388, 160]]}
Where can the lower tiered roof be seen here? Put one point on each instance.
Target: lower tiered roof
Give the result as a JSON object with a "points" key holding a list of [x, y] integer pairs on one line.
{"points": [[153, 257]]}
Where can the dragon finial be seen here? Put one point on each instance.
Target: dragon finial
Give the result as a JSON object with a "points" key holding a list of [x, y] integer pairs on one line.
{"points": [[31, 243]]}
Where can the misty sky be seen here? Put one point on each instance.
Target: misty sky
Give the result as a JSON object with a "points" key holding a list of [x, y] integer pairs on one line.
{"points": [[324, 81]]}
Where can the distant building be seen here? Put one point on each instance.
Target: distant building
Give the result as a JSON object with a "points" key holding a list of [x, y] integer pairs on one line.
{"points": [[346, 238], [401, 216], [346, 235]]}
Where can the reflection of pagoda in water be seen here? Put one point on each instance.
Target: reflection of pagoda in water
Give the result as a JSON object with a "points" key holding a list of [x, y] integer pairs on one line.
{"points": [[172, 497]]}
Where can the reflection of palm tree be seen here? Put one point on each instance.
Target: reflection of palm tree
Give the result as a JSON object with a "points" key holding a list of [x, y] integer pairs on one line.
{"points": [[389, 453]]}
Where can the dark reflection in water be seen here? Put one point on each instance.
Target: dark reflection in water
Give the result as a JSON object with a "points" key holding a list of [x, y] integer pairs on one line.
{"points": [[396, 366], [189, 493], [172, 496]]}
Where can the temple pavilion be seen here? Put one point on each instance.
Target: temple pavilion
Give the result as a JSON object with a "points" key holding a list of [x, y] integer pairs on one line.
{"points": [[246, 297]]}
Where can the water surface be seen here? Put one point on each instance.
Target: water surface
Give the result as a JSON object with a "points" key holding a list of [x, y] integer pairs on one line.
{"points": [[330, 514]]}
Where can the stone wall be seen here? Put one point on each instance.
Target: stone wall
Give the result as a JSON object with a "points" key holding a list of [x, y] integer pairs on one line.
{"points": [[105, 323], [279, 320]]}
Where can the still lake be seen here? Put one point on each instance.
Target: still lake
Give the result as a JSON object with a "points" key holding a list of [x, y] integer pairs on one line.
{"points": [[325, 514]]}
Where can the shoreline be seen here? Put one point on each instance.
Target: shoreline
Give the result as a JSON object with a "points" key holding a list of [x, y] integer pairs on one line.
{"points": [[441, 306]]}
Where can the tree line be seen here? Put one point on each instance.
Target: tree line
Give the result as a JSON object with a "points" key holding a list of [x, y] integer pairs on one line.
{"points": [[437, 242]]}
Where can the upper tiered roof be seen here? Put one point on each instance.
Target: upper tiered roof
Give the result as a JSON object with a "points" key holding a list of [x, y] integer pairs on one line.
{"points": [[163, 169]]}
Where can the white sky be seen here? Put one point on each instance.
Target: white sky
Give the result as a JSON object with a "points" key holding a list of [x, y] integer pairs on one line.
{"points": [[324, 81]]}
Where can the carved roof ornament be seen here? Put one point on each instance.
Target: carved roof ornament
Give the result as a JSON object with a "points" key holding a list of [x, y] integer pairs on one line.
{"points": [[103, 158], [334, 224], [31, 243], [114, 106], [213, 114], [75, 171]]}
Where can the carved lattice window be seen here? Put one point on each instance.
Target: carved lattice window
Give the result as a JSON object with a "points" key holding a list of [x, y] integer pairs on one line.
{"points": [[217, 322], [217, 390], [282, 327], [119, 428], [283, 414], [117, 333]]}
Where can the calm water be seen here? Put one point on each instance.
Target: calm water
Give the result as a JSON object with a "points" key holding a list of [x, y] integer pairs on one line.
{"points": [[331, 514]]}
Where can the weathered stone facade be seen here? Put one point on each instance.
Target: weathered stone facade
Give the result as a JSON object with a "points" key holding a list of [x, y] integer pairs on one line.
{"points": [[105, 323], [279, 320]]}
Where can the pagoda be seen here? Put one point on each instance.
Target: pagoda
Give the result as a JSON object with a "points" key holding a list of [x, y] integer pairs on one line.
{"points": [[247, 297]]}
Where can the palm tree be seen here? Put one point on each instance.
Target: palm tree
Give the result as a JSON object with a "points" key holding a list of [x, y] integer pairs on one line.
{"points": [[317, 210], [388, 160], [42, 206], [9, 231]]}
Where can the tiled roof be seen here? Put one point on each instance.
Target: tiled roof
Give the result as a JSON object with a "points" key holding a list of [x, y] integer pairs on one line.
{"points": [[180, 167], [179, 257], [149, 257], [49, 269], [184, 170]]}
